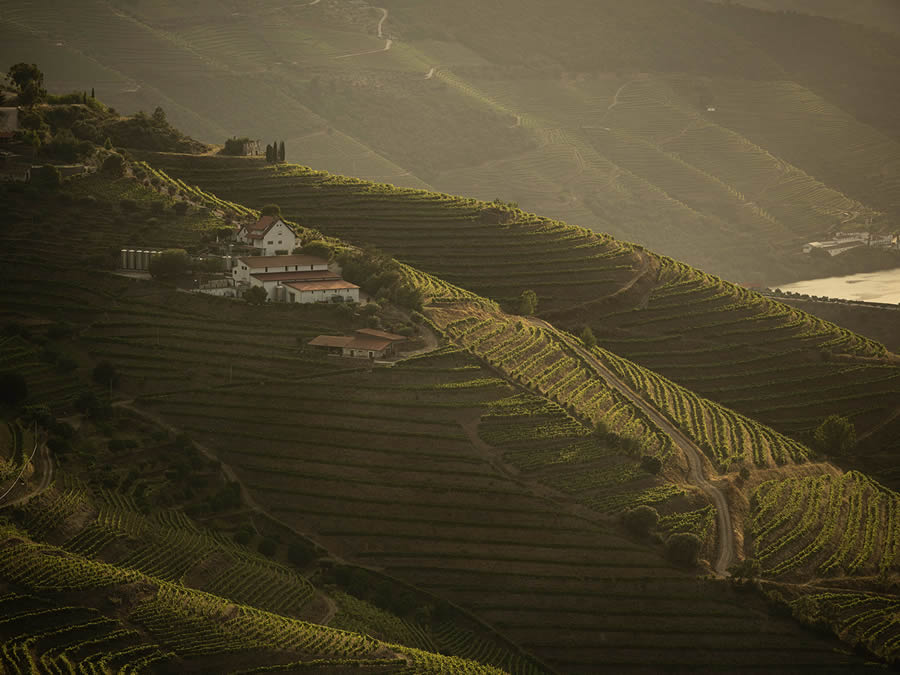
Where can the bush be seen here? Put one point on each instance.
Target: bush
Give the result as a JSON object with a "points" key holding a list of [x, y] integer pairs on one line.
{"points": [[243, 535], [256, 295], [683, 548], [651, 464], [170, 264], [835, 436], [319, 248], [270, 210], [587, 338], [641, 519], [300, 554], [113, 166], [180, 208], [267, 547], [528, 302], [105, 374], [13, 388]]}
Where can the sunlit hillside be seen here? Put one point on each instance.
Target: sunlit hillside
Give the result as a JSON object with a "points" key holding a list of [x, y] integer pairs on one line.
{"points": [[714, 133]]}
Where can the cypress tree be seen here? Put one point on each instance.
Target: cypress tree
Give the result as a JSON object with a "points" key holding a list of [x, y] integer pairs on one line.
{"points": [[268, 153], [281, 152], [92, 93]]}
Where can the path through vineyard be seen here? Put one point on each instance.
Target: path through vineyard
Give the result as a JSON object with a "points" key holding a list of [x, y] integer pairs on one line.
{"points": [[693, 453]]}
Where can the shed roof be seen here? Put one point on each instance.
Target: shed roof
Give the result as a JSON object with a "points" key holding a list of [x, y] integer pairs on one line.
{"points": [[304, 275], [337, 285], [256, 261], [330, 341], [393, 337]]}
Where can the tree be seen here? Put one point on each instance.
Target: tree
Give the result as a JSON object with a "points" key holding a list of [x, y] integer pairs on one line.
{"points": [[748, 568], [92, 93], [587, 338], [170, 264], [281, 152], [835, 436], [159, 117], [24, 74], [641, 519], [269, 153], [13, 388], [319, 248], [114, 166], [651, 464], [683, 548], [105, 373], [46, 176], [528, 302], [256, 295], [270, 210]]}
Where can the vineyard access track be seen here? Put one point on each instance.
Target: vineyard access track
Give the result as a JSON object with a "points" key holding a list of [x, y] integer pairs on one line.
{"points": [[691, 451]]}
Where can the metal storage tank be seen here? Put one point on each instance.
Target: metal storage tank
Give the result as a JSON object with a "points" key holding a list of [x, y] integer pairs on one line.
{"points": [[130, 262], [145, 260], [124, 259]]}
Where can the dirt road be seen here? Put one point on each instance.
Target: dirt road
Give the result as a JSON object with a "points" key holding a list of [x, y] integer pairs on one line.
{"points": [[691, 451], [388, 41]]}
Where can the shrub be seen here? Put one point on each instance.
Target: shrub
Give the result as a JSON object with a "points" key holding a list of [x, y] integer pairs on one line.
{"points": [[300, 554], [651, 464], [170, 264], [180, 208], [528, 302], [835, 436], [641, 519], [270, 210], [267, 547], [319, 248], [105, 373], [13, 388], [683, 548], [587, 338], [256, 295], [114, 166]]}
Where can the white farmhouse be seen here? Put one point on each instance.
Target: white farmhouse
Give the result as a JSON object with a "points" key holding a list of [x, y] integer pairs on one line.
{"points": [[248, 266], [269, 234], [294, 278]]}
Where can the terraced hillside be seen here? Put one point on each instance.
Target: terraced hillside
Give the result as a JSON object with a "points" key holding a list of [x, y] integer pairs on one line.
{"points": [[53, 618], [766, 360], [825, 526], [488, 497], [707, 132]]}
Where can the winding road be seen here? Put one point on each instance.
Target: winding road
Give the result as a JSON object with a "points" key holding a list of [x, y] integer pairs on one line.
{"points": [[388, 41], [691, 451]]}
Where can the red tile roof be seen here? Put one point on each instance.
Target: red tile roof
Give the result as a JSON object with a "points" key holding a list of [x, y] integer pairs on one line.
{"points": [[330, 341], [338, 285], [305, 275], [393, 337], [256, 261], [372, 343], [263, 224]]}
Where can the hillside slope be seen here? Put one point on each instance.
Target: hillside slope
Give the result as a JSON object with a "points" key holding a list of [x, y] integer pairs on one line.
{"points": [[764, 359], [501, 501], [715, 134]]}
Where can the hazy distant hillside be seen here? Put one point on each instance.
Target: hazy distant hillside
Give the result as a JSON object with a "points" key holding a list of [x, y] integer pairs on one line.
{"points": [[718, 134], [881, 14]]}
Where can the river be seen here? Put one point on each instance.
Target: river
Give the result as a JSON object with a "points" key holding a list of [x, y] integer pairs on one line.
{"points": [[883, 286]]}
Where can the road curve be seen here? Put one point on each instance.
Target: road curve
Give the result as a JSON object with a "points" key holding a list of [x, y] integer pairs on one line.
{"points": [[691, 451]]}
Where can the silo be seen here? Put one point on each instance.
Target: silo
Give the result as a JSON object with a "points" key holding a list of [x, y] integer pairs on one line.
{"points": [[130, 262], [124, 254], [145, 260]]}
